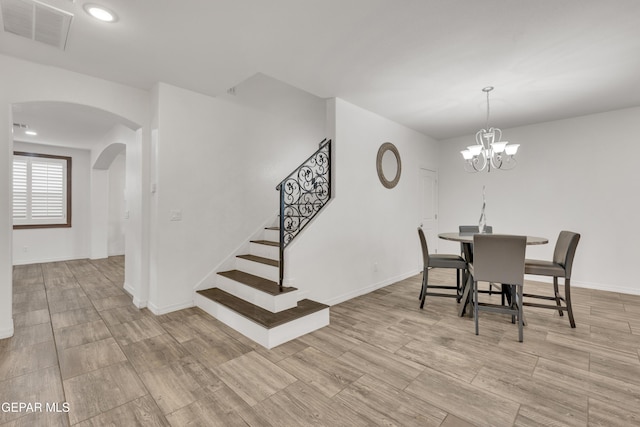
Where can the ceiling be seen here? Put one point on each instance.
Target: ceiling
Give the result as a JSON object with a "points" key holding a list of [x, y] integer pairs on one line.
{"points": [[421, 63], [64, 124]]}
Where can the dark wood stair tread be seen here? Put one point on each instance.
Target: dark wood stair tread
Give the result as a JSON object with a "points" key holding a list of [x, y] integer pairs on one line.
{"points": [[260, 283], [273, 228], [260, 315], [266, 242], [261, 260]]}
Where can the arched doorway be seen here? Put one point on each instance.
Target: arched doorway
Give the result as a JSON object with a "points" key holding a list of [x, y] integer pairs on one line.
{"points": [[26, 82], [110, 211], [96, 141]]}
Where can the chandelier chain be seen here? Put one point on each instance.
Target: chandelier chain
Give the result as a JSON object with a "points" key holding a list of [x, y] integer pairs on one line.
{"points": [[487, 123]]}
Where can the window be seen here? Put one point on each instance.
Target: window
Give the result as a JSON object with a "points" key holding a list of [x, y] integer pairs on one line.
{"points": [[41, 190]]}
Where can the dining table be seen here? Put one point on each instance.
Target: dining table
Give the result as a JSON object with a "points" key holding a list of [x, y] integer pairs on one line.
{"points": [[466, 241]]}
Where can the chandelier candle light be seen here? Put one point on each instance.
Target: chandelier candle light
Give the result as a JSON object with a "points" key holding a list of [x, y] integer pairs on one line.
{"points": [[489, 152]]}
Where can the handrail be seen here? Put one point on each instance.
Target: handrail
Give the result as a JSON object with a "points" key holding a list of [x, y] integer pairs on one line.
{"points": [[303, 193], [322, 143]]}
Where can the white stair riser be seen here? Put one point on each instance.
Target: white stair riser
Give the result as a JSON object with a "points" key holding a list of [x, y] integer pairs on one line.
{"points": [[258, 269], [296, 328], [272, 235], [268, 338], [266, 251], [272, 303]]}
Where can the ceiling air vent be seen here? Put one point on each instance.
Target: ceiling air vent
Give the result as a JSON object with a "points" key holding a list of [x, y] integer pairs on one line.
{"points": [[36, 21]]}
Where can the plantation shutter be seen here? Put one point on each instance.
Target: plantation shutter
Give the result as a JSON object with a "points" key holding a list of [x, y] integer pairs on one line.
{"points": [[40, 190], [19, 188], [47, 190]]}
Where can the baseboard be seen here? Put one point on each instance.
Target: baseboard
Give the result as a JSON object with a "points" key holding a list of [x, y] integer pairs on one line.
{"points": [[362, 291], [158, 311], [139, 303], [127, 287], [7, 332], [585, 285], [45, 260], [599, 287]]}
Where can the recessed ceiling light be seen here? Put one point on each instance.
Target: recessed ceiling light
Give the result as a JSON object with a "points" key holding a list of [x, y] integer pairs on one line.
{"points": [[100, 12], [31, 132]]}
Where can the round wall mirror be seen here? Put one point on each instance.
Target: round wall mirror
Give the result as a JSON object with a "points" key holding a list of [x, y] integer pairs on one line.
{"points": [[388, 165]]}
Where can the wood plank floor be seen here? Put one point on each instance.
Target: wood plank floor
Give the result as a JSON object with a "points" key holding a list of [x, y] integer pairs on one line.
{"points": [[382, 361]]}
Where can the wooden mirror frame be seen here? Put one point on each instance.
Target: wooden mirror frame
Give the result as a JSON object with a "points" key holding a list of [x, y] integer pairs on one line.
{"points": [[387, 146]]}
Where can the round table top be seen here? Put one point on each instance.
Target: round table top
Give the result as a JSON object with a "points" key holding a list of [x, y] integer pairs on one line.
{"points": [[468, 238]]}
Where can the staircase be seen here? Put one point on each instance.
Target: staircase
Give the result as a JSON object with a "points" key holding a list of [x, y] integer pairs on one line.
{"points": [[251, 298]]}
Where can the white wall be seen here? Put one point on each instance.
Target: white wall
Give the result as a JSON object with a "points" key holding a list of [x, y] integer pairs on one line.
{"points": [[99, 217], [6, 219], [109, 159], [137, 225], [24, 81], [218, 162], [117, 206], [577, 174], [58, 244], [333, 259]]}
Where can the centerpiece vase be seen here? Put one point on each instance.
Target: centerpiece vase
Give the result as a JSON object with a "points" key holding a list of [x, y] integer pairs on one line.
{"points": [[482, 223]]}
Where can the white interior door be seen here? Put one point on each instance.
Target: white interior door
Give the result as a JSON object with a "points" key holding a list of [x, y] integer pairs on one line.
{"points": [[429, 206]]}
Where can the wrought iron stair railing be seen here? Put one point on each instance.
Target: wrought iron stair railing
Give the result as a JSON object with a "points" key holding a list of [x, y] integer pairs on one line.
{"points": [[303, 193]]}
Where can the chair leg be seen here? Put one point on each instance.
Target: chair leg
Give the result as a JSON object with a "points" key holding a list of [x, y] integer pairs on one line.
{"points": [[567, 297], [425, 281], [557, 294], [475, 304]]}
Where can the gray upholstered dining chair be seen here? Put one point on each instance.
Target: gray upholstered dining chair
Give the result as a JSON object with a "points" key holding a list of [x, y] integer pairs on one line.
{"points": [[475, 229], [560, 266], [499, 258], [439, 261]]}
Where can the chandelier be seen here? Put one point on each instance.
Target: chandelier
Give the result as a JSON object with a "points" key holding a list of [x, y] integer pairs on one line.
{"points": [[489, 152]]}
